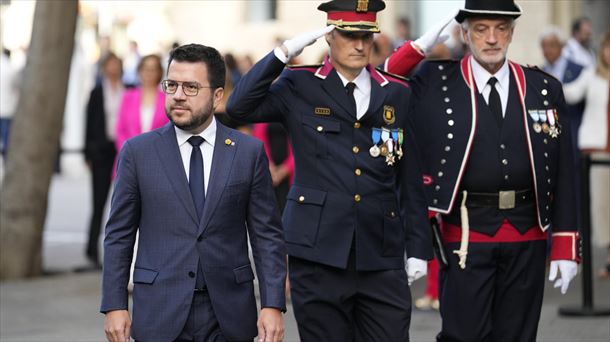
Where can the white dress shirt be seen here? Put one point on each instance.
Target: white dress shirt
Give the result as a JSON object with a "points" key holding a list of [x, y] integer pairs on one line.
{"points": [[112, 103], [207, 150], [362, 92], [482, 76]]}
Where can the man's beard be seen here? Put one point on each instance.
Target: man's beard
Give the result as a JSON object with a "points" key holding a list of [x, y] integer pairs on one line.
{"points": [[197, 119]]}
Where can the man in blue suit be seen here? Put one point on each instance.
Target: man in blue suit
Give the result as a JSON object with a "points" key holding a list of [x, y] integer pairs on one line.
{"points": [[195, 190], [357, 203]]}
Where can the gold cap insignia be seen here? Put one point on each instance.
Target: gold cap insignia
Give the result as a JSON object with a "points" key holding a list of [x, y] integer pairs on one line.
{"points": [[363, 6]]}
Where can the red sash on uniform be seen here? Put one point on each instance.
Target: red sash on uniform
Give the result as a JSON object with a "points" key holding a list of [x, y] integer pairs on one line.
{"points": [[506, 233]]}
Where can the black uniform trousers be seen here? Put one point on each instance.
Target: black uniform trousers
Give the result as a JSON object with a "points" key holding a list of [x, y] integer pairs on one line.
{"points": [[101, 176], [337, 305], [497, 297]]}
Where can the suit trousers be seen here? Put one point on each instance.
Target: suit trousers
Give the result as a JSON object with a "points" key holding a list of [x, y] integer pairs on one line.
{"points": [[332, 304], [497, 297], [201, 324], [101, 177]]}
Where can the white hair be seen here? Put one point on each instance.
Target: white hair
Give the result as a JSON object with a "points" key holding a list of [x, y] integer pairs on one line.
{"points": [[553, 31]]}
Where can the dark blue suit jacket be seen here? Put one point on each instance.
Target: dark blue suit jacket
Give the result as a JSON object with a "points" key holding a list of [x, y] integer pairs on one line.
{"points": [[152, 196], [341, 193]]}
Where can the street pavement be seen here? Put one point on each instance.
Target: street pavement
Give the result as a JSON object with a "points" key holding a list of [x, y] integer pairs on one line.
{"points": [[63, 306]]}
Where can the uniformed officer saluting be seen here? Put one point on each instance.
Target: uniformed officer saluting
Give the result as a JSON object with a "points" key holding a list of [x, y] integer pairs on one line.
{"points": [[358, 201], [498, 165]]}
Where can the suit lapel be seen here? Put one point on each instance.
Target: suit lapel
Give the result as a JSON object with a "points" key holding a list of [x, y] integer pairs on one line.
{"points": [[168, 150], [219, 174], [333, 86]]}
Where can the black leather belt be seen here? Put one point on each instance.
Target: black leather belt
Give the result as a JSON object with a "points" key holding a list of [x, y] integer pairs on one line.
{"points": [[502, 199]]}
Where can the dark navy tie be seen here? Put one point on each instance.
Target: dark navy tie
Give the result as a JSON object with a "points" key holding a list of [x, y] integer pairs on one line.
{"points": [[349, 88], [196, 176], [494, 103]]}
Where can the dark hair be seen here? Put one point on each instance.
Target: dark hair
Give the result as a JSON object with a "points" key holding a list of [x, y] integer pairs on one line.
{"points": [[158, 64], [195, 53], [108, 57], [576, 24]]}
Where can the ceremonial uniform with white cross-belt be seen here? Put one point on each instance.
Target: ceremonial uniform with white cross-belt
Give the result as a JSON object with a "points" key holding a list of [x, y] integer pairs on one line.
{"points": [[500, 177], [357, 202]]}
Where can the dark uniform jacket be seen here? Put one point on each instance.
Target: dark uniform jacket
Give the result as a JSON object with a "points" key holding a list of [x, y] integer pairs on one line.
{"points": [[450, 114], [340, 191]]}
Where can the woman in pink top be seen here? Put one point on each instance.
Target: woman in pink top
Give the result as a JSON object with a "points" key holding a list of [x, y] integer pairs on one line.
{"points": [[142, 108]]}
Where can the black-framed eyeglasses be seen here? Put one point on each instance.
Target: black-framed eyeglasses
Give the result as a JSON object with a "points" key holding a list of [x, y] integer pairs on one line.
{"points": [[188, 88]]}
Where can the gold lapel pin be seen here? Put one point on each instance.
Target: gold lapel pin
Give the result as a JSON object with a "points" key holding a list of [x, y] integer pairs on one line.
{"points": [[229, 142]]}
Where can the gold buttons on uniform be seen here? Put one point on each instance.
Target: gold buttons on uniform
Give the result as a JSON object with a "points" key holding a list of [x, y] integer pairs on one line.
{"points": [[319, 128], [301, 199], [355, 149], [393, 214], [358, 172], [356, 124], [357, 198]]}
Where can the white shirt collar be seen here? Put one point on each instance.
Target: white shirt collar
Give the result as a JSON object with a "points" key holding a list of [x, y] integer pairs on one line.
{"points": [[482, 76], [362, 81], [209, 134]]}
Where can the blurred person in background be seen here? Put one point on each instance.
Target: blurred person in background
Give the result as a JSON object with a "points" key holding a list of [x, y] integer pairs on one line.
{"points": [[9, 95], [402, 33], [578, 48], [594, 138], [142, 107], [131, 64], [100, 149], [232, 68], [382, 49]]}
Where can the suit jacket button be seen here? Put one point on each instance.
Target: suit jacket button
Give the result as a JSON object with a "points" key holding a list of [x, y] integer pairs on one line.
{"points": [[357, 198], [356, 124], [301, 199], [319, 128], [192, 274]]}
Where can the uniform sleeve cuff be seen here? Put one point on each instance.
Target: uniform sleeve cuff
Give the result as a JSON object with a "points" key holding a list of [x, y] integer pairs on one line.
{"points": [[403, 60], [565, 246], [279, 54]]}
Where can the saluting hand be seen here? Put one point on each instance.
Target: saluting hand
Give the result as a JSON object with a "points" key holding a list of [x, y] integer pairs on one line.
{"points": [[435, 35], [270, 325], [293, 47]]}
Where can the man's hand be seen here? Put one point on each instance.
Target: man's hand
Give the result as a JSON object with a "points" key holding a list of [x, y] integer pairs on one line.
{"points": [[293, 47], [118, 326], [270, 325], [416, 268], [278, 174], [568, 270], [434, 36]]}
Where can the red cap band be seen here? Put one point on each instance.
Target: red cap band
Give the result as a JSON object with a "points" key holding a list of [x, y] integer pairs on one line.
{"points": [[353, 16]]}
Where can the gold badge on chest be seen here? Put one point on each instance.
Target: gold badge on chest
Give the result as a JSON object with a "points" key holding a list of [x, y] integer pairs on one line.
{"points": [[388, 115]]}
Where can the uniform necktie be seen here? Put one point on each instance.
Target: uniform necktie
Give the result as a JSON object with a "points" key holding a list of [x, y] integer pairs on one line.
{"points": [[494, 103], [196, 176], [349, 88]]}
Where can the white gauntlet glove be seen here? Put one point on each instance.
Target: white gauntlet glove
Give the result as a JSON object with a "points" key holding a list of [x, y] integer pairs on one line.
{"points": [[416, 268], [294, 47], [434, 35], [568, 270]]}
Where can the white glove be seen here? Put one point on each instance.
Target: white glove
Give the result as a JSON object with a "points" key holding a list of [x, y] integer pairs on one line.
{"points": [[434, 35], [416, 268], [568, 270], [295, 46]]}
